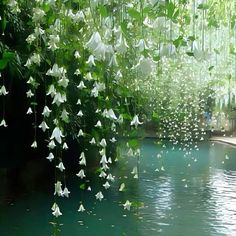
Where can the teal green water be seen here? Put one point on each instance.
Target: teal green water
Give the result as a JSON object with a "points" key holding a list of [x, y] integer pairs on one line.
{"points": [[194, 195]]}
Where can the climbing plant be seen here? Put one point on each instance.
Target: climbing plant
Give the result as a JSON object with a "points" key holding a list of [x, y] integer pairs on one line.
{"points": [[107, 67]]}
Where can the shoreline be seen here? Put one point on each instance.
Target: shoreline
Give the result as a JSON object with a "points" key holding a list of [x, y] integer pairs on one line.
{"points": [[225, 140]]}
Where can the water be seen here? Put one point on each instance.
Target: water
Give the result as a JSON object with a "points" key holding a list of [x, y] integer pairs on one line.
{"points": [[189, 195]]}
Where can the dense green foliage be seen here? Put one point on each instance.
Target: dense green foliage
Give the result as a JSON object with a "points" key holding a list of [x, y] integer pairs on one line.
{"points": [[102, 66]]}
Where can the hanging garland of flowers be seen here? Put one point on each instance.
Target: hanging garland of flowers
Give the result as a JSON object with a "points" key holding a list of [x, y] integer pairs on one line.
{"points": [[100, 62]]}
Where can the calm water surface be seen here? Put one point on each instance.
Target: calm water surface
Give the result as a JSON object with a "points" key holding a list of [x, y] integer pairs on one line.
{"points": [[181, 195]]}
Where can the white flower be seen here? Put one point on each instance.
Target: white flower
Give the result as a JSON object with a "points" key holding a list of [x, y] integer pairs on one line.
{"points": [[102, 174], [103, 143], [64, 115], [147, 22], [78, 102], [35, 58], [81, 133], [135, 172], [38, 14], [29, 111], [57, 134], [111, 178], [52, 91], [34, 144], [113, 61], [121, 46], [99, 196], [98, 124], [92, 141], [29, 94], [127, 205], [81, 174], [60, 166], [113, 140], [3, 123], [79, 16], [120, 119], [130, 152], [135, 121], [58, 190], [106, 185], [91, 61], [81, 208], [103, 160], [43, 126], [51, 144], [105, 167], [102, 152], [80, 113], [142, 45], [56, 211], [100, 51], [111, 114], [88, 76], [145, 66], [63, 82], [94, 41], [82, 159], [66, 192], [167, 50], [81, 85], [30, 39], [105, 113], [50, 157], [39, 31], [59, 98], [53, 41], [65, 147], [77, 71], [3, 91], [55, 71], [77, 55], [89, 188], [46, 111], [122, 187]]}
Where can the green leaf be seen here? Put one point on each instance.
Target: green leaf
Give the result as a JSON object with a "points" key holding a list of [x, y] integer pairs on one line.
{"points": [[123, 26], [179, 42], [191, 54], [203, 6], [127, 116], [232, 49], [4, 24], [210, 68], [8, 55], [216, 51], [191, 38], [133, 143], [103, 11], [134, 14], [3, 64], [138, 204], [155, 115], [170, 9], [82, 186]]}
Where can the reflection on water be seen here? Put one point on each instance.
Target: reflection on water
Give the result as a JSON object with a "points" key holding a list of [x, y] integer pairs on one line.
{"points": [[222, 203], [181, 196]]}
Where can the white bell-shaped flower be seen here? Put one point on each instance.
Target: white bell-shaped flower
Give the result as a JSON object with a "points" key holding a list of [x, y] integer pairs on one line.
{"points": [[99, 196], [135, 121], [57, 135]]}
